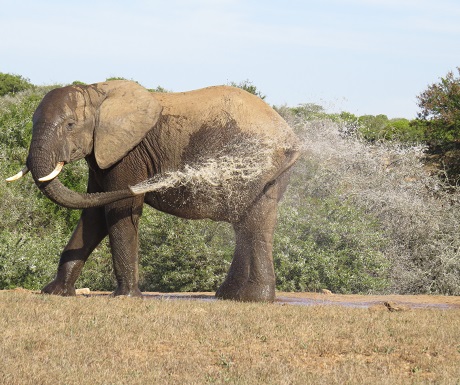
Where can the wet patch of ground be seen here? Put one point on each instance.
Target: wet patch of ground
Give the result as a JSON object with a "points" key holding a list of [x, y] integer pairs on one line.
{"points": [[390, 302]]}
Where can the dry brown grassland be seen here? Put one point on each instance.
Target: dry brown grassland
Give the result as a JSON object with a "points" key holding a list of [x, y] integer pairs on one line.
{"points": [[100, 340]]}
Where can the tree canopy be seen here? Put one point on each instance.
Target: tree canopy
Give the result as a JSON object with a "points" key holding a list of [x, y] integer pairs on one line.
{"points": [[249, 87], [10, 84], [440, 108]]}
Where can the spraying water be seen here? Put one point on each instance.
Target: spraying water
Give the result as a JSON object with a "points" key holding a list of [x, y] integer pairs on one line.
{"points": [[213, 172], [225, 176]]}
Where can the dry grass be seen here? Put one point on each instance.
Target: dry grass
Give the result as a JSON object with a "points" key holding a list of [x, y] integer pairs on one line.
{"points": [[53, 340]]}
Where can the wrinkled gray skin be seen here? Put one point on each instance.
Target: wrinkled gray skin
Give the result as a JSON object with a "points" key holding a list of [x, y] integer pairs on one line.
{"points": [[127, 135]]}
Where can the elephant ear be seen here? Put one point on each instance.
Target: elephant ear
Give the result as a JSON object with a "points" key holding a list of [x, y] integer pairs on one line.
{"points": [[126, 115]]}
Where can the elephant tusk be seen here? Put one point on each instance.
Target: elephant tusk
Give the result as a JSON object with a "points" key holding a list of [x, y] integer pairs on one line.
{"points": [[53, 174], [19, 175]]}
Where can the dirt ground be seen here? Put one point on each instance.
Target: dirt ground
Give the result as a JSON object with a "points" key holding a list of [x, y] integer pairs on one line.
{"points": [[391, 302]]}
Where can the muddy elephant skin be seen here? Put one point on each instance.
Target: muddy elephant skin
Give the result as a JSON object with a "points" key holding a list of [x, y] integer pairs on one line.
{"points": [[128, 136]]}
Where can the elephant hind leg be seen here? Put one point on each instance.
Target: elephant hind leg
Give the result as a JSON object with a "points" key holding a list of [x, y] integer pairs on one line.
{"points": [[251, 276]]}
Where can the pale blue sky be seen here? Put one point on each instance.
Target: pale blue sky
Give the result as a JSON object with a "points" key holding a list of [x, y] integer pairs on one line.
{"points": [[362, 56]]}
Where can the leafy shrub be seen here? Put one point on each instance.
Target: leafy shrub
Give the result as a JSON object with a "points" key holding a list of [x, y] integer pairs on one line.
{"points": [[327, 243], [159, 89], [358, 216], [377, 128], [11, 84], [16, 123], [440, 108], [183, 255], [116, 78], [33, 230], [156, 89], [249, 87], [98, 273], [27, 261], [368, 127], [309, 112], [373, 128], [389, 183]]}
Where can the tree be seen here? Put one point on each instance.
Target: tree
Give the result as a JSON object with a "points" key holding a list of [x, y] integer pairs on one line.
{"points": [[10, 84], [440, 109], [115, 78], [310, 111], [249, 87], [159, 89], [372, 127]]}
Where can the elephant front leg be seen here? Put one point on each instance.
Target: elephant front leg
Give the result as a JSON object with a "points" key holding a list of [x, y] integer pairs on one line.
{"points": [[123, 222], [90, 231]]}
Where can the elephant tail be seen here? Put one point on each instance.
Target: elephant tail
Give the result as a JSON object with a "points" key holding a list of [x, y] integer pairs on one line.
{"points": [[292, 155]]}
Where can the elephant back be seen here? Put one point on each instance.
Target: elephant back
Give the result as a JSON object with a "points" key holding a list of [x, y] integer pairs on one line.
{"points": [[226, 112]]}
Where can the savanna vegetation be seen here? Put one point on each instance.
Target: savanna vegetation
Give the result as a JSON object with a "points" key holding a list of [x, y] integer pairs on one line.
{"points": [[55, 340], [373, 206]]}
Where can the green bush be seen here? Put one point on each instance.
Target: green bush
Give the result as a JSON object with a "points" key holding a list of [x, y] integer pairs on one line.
{"points": [[12, 84], [156, 89], [16, 121], [183, 255], [440, 109], [159, 89], [358, 216], [378, 128], [16, 124], [98, 273], [310, 111], [249, 87], [27, 261], [116, 78], [322, 242], [33, 230]]}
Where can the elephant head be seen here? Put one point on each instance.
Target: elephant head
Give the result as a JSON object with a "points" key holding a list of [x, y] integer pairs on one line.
{"points": [[106, 120]]}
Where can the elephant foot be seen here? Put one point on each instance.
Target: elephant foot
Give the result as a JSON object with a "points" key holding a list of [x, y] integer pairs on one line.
{"points": [[248, 292], [58, 288], [127, 292]]}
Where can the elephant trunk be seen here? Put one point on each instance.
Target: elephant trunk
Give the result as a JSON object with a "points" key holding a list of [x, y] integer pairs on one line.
{"points": [[42, 165]]}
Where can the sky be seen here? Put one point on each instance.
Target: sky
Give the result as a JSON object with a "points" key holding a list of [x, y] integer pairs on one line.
{"points": [[361, 56]]}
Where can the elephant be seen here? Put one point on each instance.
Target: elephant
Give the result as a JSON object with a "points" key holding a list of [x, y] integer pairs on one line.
{"points": [[128, 136]]}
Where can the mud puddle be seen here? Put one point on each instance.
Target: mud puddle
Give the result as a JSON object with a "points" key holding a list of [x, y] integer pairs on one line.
{"points": [[391, 305], [390, 302]]}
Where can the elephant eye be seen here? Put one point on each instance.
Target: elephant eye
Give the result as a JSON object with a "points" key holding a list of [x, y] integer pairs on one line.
{"points": [[70, 125]]}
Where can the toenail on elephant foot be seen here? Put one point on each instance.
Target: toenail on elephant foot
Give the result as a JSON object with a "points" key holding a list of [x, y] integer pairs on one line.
{"points": [[58, 288], [249, 292]]}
